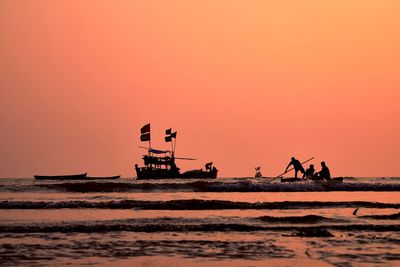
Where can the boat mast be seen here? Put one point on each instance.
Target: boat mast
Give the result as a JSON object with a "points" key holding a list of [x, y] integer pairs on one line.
{"points": [[173, 150], [149, 141], [172, 147], [145, 135]]}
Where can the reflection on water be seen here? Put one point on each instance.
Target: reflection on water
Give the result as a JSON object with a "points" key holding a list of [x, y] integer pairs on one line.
{"points": [[343, 249]]}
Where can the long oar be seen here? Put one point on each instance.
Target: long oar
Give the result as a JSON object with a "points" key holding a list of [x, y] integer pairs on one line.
{"points": [[279, 176]]}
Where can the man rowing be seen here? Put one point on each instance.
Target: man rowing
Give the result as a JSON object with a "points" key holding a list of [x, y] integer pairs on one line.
{"points": [[296, 165]]}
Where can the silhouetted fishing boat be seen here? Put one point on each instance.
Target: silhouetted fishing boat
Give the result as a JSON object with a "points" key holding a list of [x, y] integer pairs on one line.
{"points": [[294, 180], [163, 166], [75, 177]]}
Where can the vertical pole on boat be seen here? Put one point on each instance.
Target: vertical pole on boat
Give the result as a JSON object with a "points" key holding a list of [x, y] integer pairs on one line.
{"points": [[174, 144], [145, 135], [150, 145]]}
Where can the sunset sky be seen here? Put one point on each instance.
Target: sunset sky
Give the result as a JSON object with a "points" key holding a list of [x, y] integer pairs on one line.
{"points": [[245, 84]]}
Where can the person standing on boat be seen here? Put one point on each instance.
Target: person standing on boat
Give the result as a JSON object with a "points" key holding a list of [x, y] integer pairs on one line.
{"points": [[309, 172], [172, 163], [296, 165], [208, 166], [324, 173]]}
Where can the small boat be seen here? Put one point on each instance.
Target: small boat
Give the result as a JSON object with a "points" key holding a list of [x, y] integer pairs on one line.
{"points": [[61, 177], [75, 177], [103, 178], [294, 180]]}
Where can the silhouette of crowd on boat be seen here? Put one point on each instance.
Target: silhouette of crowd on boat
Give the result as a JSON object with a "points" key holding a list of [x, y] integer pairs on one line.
{"points": [[310, 173]]}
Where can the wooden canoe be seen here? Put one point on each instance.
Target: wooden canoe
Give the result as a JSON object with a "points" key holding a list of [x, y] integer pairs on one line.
{"points": [[61, 177], [82, 176], [293, 180]]}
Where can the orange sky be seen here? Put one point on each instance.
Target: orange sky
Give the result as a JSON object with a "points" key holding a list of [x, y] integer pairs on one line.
{"points": [[245, 83]]}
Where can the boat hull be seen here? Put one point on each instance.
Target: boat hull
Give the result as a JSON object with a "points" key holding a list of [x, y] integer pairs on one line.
{"points": [[61, 177], [294, 180], [143, 174], [157, 174], [291, 180], [104, 178], [75, 177], [200, 174], [332, 180]]}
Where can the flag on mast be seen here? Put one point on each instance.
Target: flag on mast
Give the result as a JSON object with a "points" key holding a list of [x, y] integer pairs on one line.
{"points": [[145, 129], [169, 135], [145, 133], [145, 137]]}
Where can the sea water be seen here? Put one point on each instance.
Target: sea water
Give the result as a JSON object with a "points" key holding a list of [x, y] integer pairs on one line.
{"points": [[235, 221]]}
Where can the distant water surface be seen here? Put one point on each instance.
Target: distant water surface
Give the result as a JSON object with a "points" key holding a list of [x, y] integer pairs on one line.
{"points": [[236, 221]]}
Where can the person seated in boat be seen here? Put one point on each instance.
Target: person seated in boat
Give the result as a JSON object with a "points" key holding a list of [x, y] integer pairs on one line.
{"points": [[309, 172], [258, 172], [296, 165], [324, 173], [208, 166]]}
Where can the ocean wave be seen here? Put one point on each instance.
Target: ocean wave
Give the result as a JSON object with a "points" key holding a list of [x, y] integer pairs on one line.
{"points": [[307, 219], [165, 227], [190, 204], [213, 186], [395, 216], [307, 186], [219, 185]]}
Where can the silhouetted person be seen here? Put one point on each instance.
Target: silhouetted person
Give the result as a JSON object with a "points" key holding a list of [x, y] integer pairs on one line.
{"points": [[172, 164], [324, 172], [309, 172], [258, 172], [296, 165], [208, 166]]}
